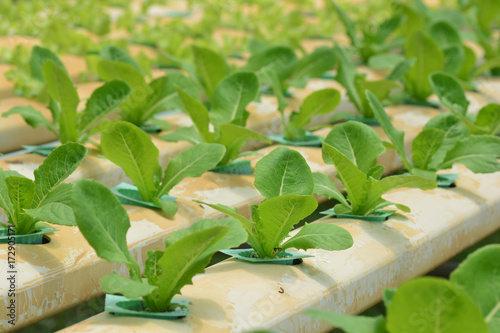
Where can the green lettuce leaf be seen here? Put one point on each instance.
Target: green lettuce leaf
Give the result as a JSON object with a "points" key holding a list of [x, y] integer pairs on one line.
{"points": [[278, 215], [429, 59], [283, 171], [62, 90], [131, 149], [103, 221], [479, 277], [447, 308], [192, 162], [211, 68], [231, 97], [182, 260], [320, 236]]}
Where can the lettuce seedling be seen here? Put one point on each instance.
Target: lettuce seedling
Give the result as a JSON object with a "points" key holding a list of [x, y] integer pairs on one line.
{"points": [[146, 99], [20, 73], [314, 64], [206, 71], [279, 67], [473, 306], [460, 59], [68, 124], [482, 20], [374, 41], [47, 198], [443, 142], [131, 149], [285, 180], [228, 116], [211, 68], [353, 148], [429, 58], [356, 84], [319, 102], [104, 223], [452, 95]]}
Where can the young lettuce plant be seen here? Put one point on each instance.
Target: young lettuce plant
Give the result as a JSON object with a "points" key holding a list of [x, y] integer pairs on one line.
{"points": [[482, 20], [319, 102], [374, 41], [356, 84], [472, 302], [20, 73], [131, 149], [228, 117], [145, 99], [68, 124], [429, 58], [460, 59], [207, 69], [285, 180], [353, 148], [443, 142], [314, 64], [103, 221], [47, 198], [279, 67], [451, 95]]}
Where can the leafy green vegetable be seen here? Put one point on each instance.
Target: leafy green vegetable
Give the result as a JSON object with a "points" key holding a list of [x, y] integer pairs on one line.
{"points": [[479, 277], [145, 99], [452, 95], [211, 68], [429, 59], [481, 15], [353, 148], [375, 39], [460, 59], [278, 59], [313, 64], [68, 124], [283, 171], [285, 180], [356, 84], [442, 142], [452, 301], [232, 96], [227, 131], [105, 223], [273, 65], [47, 198], [279, 67], [469, 302], [319, 102], [130, 148]]}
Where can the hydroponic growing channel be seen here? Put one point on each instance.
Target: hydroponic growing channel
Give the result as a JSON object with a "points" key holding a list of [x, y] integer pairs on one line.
{"points": [[250, 166]]}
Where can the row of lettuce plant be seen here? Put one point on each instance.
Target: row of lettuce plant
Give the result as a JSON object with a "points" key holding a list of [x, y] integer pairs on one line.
{"points": [[134, 100], [67, 123], [188, 251], [286, 183], [278, 67], [446, 139], [59, 42], [283, 178], [421, 27]]}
